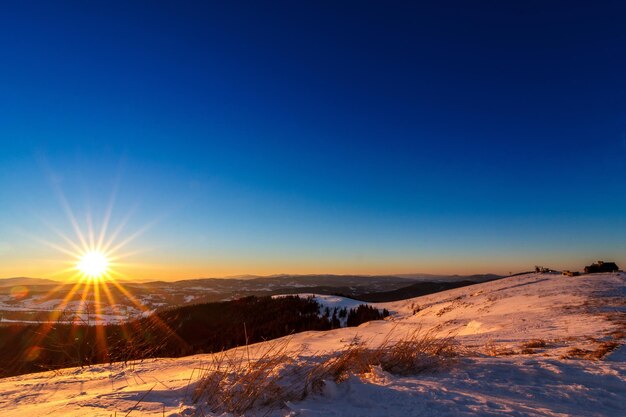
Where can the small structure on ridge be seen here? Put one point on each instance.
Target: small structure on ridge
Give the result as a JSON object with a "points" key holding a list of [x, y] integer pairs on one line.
{"points": [[601, 266]]}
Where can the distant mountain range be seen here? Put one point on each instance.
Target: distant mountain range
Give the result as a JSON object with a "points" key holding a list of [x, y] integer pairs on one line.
{"points": [[331, 279], [43, 296], [415, 290], [451, 278], [12, 282], [285, 280]]}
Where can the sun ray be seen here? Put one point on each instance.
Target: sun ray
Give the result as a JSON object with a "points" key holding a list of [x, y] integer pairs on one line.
{"points": [[79, 313], [90, 231], [130, 238], [101, 341], [65, 271], [72, 218], [62, 235], [113, 303], [51, 245], [113, 258], [107, 218], [116, 232], [56, 314], [154, 318], [80, 308]]}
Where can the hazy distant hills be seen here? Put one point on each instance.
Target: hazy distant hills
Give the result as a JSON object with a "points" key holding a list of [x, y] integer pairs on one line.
{"points": [[295, 280], [330, 280], [12, 282], [415, 290], [216, 289], [125, 299], [451, 278]]}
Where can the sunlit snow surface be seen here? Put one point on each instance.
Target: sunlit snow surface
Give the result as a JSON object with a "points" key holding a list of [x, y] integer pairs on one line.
{"points": [[564, 312]]}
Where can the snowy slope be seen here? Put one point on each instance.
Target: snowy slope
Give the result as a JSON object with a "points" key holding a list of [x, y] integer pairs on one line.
{"points": [[501, 373]]}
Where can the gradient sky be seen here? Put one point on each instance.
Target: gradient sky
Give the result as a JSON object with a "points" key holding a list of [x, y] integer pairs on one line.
{"points": [[314, 137]]}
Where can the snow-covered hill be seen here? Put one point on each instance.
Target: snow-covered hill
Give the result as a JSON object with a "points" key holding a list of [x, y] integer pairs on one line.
{"points": [[332, 304], [528, 344], [330, 301]]}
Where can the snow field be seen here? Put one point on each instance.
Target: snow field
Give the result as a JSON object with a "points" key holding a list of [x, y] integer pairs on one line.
{"points": [[519, 335]]}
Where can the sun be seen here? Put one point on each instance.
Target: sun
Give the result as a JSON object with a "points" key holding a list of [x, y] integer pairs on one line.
{"points": [[93, 265]]}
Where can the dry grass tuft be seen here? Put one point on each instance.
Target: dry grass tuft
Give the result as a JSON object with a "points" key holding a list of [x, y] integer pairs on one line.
{"points": [[600, 351], [492, 349], [535, 343], [234, 383], [355, 359], [416, 352], [530, 347]]}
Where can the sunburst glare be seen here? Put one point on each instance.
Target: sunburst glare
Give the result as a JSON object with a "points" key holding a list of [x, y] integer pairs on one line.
{"points": [[91, 292], [93, 265]]}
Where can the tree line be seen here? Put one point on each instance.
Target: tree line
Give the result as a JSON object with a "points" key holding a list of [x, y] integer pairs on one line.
{"points": [[172, 332]]}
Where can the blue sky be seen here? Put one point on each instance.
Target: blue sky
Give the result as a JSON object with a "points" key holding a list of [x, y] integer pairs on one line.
{"points": [[314, 136]]}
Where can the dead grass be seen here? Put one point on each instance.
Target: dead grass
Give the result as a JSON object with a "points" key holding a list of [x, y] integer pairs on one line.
{"points": [[445, 310], [530, 347], [535, 343], [416, 352], [415, 308], [235, 383], [492, 349], [600, 351]]}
